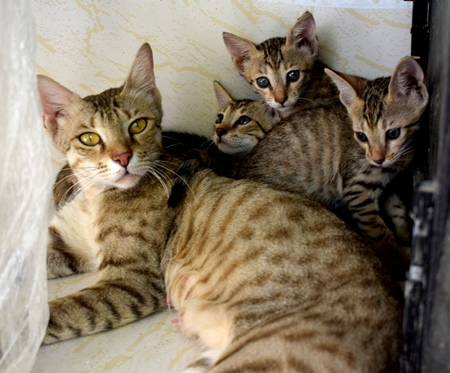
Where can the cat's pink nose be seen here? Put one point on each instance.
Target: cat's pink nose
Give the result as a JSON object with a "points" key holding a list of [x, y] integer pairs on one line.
{"points": [[378, 160], [220, 131], [123, 158], [280, 96], [281, 99]]}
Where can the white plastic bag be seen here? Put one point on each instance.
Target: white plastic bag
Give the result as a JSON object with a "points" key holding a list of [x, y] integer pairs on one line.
{"points": [[25, 182]]}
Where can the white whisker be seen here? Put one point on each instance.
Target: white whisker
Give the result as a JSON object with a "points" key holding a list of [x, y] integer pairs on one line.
{"points": [[165, 187]]}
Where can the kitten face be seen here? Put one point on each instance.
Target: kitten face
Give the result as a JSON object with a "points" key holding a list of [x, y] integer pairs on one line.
{"points": [[385, 112], [278, 68], [241, 124], [111, 139]]}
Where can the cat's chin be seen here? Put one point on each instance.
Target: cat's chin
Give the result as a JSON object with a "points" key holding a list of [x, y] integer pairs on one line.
{"points": [[283, 110], [127, 181], [228, 149]]}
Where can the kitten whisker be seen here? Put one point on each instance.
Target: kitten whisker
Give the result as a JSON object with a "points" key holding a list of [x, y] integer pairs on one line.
{"points": [[208, 141]]}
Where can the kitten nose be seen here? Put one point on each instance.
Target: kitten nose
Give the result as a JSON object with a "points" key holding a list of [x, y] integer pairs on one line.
{"points": [[123, 158], [221, 131], [280, 96], [378, 160]]}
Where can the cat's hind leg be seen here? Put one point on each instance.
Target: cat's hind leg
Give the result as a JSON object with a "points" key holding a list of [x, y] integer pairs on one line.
{"points": [[212, 325]]}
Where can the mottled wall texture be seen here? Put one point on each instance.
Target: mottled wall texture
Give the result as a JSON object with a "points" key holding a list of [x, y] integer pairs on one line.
{"points": [[88, 45]]}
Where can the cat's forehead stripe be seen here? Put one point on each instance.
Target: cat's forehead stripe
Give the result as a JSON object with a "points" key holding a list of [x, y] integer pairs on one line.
{"points": [[272, 50], [373, 97]]}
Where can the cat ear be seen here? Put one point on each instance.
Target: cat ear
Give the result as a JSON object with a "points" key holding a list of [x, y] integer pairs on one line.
{"points": [[240, 50], [347, 93], [223, 98], [56, 101], [408, 83], [141, 76], [303, 33]]}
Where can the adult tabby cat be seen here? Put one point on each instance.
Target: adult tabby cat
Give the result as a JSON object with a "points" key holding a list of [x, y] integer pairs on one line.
{"points": [[117, 222], [285, 72], [315, 152], [241, 124], [264, 278]]}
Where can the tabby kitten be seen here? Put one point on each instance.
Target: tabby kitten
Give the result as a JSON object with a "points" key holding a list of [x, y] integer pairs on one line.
{"points": [[285, 72], [118, 220], [315, 152], [237, 130], [246, 265]]}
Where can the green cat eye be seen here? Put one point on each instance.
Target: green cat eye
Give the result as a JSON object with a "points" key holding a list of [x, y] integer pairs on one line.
{"points": [[138, 126], [393, 133], [243, 120], [263, 82], [89, 138], [292, 76]]}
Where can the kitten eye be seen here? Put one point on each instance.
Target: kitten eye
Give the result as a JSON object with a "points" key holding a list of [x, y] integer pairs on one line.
{"points": [[361, 136], [138, 126], [263, 82], [89, 138], [393, 133], [243, 120], [219, 118], [292, 76]]}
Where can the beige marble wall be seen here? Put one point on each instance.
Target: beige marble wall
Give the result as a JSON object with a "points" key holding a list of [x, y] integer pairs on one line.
{"points": [[89, 45]]}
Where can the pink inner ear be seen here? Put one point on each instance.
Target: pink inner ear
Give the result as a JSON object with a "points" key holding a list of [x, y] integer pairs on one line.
{"points": [[54, 99], [407, 77], [304, 33], [239, 49]]}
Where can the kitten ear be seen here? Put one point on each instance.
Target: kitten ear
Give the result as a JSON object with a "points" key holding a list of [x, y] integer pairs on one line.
{"points": [[56, 101], [141, 76], [347, 93], [304, 33], [240, 49], [408, 83], [223, 98]]}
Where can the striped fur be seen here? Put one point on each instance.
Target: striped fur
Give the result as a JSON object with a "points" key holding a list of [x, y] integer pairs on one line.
{"points": [[295, 78], [241, 124], [314, 151], [116, 218], [269, 281]]}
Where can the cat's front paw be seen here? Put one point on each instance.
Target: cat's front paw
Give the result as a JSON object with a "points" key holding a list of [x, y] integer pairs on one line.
{"points": [[59, 265]]}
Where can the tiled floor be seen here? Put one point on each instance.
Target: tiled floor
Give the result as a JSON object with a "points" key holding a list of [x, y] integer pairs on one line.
{"points": [[154, 344]]}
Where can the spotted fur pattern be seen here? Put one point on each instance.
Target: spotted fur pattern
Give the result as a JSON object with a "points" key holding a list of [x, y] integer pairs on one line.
{"points": [[314, 151]]}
